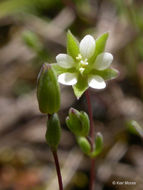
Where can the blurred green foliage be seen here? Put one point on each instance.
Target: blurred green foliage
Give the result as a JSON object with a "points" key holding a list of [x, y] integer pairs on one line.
{"points": [[9, 7]]}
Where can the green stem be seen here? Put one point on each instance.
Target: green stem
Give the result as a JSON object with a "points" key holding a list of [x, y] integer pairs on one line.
{"points": [[92, 169]]}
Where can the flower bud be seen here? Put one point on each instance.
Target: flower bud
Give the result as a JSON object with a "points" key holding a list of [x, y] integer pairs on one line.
{"points": [[98, 145], [48, 92], [84, 145], [85, 123], [78, 122], [53, 132]]}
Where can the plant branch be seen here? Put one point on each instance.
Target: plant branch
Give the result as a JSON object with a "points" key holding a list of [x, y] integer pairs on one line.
{"points": [[92, 169], [58, 169]]}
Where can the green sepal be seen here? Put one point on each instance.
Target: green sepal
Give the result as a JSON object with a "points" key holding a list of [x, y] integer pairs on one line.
{"points": [[135, 128], [98, 145], [100, 44], [106, 74], [53, 133], [59, 70], [84, 145], [72, 45], [48, 91], [78, 122], [81, 86]]}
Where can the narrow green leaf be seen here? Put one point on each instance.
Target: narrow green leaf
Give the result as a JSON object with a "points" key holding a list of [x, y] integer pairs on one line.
{"points": [[72, 45]]}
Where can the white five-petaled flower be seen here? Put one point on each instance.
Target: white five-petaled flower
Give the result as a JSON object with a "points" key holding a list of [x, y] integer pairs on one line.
{"points": [[81, 62]]}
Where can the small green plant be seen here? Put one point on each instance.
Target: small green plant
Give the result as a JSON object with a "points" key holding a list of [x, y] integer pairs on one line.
{"points": [[85, 65]]}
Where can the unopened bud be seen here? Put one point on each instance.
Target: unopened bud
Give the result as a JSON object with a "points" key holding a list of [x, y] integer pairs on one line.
{"points": [[78, 122], [48, 92], [84, 145], [98, 145], [53, 132]]}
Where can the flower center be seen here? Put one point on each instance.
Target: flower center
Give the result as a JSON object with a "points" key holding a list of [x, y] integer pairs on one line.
{"points": [[82, 63]]}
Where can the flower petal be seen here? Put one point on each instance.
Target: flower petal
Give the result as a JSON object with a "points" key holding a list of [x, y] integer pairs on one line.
{"points": [[87, 46], [103, 61], [65, 61], [96, 82], [67, 78]]}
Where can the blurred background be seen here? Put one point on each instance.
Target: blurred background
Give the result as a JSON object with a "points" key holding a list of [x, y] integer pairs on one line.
{"points": [[34, 32]]}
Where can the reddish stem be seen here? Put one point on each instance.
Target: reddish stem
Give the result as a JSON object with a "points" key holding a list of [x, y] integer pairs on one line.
{"points": [[58, 169], [92, 172]]}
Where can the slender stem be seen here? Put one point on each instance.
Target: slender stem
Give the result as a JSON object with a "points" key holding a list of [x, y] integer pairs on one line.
{"points": [[92, 172], [58, 169], [90, 114]]}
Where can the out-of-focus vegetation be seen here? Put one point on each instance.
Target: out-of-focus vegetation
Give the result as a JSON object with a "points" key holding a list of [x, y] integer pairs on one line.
{"points": [[25, 162]]}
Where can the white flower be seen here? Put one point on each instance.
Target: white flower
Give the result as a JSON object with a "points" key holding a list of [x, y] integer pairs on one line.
{"points": [[74, 68]]}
